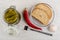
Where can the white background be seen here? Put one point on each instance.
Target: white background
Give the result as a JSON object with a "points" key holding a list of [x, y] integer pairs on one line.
{"points": [[28, 35]]}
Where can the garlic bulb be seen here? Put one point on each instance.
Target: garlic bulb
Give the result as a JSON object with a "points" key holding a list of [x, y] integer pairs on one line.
{"points": [[52, 28]]}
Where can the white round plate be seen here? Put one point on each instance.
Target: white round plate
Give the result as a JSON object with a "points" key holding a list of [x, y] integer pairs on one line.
{"points": [[37, 23]]}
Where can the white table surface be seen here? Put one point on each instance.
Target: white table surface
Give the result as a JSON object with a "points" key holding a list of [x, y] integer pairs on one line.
{"points": [[28, 35]]}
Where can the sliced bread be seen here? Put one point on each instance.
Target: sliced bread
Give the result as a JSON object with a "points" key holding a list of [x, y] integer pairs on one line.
{"points": [[40, 15], [45, 7]]}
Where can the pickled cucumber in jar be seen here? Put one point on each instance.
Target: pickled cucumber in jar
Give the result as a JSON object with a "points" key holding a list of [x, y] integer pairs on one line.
{"points": [[12, 16]]}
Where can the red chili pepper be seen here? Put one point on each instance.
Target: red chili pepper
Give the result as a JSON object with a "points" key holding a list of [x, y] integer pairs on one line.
{"points": [[26, 17]]}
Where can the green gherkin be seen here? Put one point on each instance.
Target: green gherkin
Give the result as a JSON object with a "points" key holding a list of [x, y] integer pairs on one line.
{"points": [[11, 16]]}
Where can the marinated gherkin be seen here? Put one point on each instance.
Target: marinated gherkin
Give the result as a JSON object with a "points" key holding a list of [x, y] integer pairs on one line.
{"points": [[12, 16]]}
